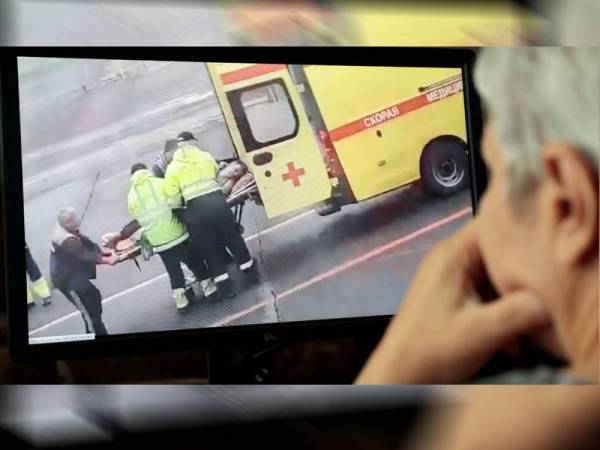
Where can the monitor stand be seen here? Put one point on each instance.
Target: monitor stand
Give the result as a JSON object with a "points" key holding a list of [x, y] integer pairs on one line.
{"points": [[248, 364], [291, 361]]}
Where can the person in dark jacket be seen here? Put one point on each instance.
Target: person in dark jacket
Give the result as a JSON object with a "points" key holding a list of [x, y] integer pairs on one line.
{"points": [[73, 261]]}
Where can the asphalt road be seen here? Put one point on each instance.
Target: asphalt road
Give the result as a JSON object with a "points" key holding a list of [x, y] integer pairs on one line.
{"points": [[353, 263]]}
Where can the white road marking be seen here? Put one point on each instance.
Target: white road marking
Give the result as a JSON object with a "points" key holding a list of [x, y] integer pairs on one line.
{"points": [[279, 225], [353, 262], [158, 277], [104, 302]]}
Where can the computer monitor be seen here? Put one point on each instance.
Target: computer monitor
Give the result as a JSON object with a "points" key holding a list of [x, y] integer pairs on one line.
{"points": [[175, 198]]}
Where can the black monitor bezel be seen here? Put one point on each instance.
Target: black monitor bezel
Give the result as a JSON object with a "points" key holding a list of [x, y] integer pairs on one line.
{"points": [[12, 192]]}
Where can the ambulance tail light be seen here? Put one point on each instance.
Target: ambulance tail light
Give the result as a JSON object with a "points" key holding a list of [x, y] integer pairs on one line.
{"points": [[330, 155]]}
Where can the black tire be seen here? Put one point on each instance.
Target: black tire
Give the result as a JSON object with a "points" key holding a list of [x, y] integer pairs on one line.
{"points": [[444, 166]]}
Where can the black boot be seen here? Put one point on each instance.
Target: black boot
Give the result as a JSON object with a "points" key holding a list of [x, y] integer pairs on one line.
{"points": [[226, 289]]}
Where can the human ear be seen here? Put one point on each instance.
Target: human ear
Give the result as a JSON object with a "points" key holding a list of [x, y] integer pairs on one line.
{"points": [[572, 192]]}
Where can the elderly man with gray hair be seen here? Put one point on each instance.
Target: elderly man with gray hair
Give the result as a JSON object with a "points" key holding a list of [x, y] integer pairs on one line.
{"points": [[533, 243], [73, 260]]}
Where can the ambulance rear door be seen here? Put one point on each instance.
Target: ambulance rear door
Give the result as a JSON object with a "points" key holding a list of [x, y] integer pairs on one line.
{"points": [[272, 134]]}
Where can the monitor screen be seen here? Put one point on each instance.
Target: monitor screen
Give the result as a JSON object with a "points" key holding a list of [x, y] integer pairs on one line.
{"points": [[162, 196]]}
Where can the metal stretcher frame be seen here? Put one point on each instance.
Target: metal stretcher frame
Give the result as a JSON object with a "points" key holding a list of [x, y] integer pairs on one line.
{"points": [[13, 210]]}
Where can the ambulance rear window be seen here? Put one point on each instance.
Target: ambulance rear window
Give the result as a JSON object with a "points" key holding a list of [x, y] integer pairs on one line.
{"points": [[264, 114]]}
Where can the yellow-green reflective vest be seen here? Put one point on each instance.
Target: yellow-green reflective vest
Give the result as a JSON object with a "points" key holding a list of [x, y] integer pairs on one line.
{"points": [[191, 173], [148, 204]]}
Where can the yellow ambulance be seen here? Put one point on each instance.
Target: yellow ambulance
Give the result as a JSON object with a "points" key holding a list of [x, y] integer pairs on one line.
{"points": [[333, 135], [405, 24]]}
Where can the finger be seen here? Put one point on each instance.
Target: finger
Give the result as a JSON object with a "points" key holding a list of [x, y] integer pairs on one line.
{"points": [[460, 250], [461, 260], [446, 251], [470, 261], [508, 317], [465, 246]]}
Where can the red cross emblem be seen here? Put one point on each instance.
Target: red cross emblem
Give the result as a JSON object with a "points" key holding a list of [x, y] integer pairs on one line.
{"points": [[293, 174]]}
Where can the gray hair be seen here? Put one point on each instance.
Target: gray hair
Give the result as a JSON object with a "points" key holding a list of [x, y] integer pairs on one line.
{"points": [[575, 22], [66, 215], [535, 95]]}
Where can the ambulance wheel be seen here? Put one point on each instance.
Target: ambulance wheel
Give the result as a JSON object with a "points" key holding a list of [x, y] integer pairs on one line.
{"points": [[444, 166]]}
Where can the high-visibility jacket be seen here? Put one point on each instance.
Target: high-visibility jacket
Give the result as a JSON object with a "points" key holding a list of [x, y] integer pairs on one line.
{"points": [[192, 173], [149, 205]]}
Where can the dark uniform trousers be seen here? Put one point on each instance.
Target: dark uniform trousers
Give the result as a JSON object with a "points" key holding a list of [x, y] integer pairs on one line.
{"points": [[88, 300], [31, 267], [212, 225], [182, 253]]}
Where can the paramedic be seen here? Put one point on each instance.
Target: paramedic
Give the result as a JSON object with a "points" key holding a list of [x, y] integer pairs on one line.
{"points": [[73, 260], [191, 181], [39, 285], [148, 205], [159, 168]]}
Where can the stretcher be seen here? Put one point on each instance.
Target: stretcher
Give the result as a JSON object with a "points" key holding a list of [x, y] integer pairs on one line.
{"points": [[239, 186]]}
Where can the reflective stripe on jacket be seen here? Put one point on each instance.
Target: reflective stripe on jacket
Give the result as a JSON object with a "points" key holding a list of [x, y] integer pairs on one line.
{"points": [[148, 204], [191, 173]]}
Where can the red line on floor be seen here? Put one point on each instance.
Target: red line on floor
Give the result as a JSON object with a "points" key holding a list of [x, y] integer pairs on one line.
{"points": [[355, 261], [374, 253]]}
